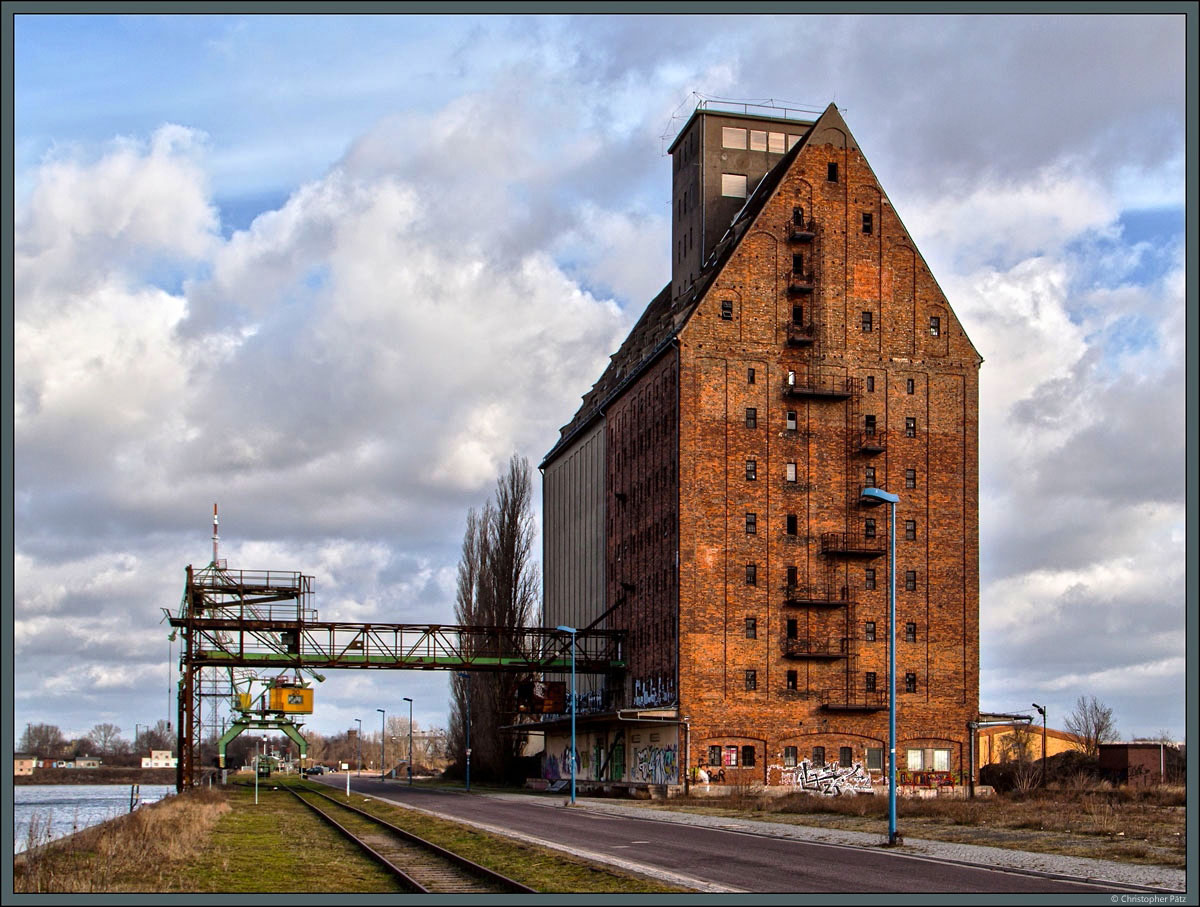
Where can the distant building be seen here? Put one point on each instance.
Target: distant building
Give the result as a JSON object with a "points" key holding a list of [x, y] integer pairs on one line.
{"points": [[159, 759], [78, 762], [24, 764], [994, 745], [1142, 764]]}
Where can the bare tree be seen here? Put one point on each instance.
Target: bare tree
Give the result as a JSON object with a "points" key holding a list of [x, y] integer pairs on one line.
{"points": [[1091, 723], [497, 589], [107, 738], [43, 740], [1018, 745]]}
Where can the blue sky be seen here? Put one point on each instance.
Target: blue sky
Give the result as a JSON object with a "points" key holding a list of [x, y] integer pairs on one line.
{"points": [[330, 272]]}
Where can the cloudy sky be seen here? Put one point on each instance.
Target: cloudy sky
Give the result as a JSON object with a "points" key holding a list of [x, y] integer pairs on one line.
{"points": [[331, 272]]}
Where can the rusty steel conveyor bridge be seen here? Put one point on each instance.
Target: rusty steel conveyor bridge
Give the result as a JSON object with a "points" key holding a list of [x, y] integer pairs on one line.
{"points": [[243, 619]]}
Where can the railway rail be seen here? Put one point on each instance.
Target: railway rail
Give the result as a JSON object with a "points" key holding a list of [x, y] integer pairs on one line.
{"points": [[419, 865]]}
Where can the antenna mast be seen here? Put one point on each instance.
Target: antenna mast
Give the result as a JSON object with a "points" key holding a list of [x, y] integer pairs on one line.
{"points": [[216, 538]]}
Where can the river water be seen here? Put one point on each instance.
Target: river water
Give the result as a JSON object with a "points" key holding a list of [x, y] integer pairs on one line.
{"points": [[68, 808]]}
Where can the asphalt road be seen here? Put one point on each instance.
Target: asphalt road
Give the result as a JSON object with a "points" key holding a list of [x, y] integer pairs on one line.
{"points": [[719, 858]]}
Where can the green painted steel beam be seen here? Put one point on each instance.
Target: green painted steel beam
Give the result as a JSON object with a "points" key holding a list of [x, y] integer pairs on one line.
{"points": [[448, 662]]}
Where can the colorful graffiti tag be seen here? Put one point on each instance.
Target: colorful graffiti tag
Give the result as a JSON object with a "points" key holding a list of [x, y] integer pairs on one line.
{"points": [[829, 780], [560, 766], [656, 764]]}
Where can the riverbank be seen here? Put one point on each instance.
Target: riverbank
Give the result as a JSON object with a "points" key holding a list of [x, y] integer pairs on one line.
{"points": [[115, 775]]}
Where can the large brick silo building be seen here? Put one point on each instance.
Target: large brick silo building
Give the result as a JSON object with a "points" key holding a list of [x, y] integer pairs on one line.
{"points": [[706, 498]]}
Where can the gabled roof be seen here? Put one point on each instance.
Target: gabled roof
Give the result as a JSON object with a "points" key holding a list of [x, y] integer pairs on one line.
{"points": [[663, 318]]}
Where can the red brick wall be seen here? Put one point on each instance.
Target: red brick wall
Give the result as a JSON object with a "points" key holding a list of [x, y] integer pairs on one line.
{"points": [[880, 272]]}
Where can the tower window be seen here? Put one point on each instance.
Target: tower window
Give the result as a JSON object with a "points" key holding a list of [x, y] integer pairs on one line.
{"points": [[798, 216], [751, 523], [791, 628], [869, 631], [797, 314], [935, 326], [831, 172], [751, 628], [752, 680], [870, 579], [910, 683], [867, 225], [869, 425], [733, 185], [752, 574], [790, 420], [797, 263], [867, 320], [870, 476], [910, 530], [910, 428], [727, 310], [751, 417], [910, 583], [910, 478], [790, 472], [910, 632], [791, 524], [911, 386], [792, 679], [869, 682], [749, 376], [870, 384], [751, 470], [869, 528]]}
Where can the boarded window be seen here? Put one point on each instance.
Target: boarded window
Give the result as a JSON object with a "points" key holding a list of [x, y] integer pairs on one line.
{"points": [[733, 185], [732, 137]]}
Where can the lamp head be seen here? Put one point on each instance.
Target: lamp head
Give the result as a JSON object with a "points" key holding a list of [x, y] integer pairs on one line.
{"points": [[880, 495], [570, 630]]}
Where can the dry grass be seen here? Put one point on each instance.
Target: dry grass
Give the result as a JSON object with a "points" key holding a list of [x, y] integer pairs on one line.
{"points": [[1144, 825], [136, 852]]}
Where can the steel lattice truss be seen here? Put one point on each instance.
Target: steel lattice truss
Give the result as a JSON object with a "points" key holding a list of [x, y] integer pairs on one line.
{"points": [[232, 620]]}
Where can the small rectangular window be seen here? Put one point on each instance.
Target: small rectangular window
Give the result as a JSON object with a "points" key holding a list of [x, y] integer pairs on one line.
{"points": [[941, 760], [758, 140], [775, 143], [915, 760], [751, 417], [910, 632], [845, 757], [732, 137], [790, 472], [870, 384], [935, 326], [869, 528], [869, 631], [727, 310], [867, 225], [818, 755], [791, 524], [751, 524], [797, 263], [792, 628], [910, 683], [714, 755], [831, 172], [910, 530], [749, 376], [910, 581], [748, 755], [792, 679], [910, 428], [911, 386], [910, 478], [751, 680], [869, 682], [867, 320], [869, 582], [752, 574], [870, 476], [792, 140], [729, 756], [874, 758], [789, 421], [797, 314], [869, 425], [751, 470], [798, 216], [733, 185], [752, 628], [790, 753], [792, 576]]}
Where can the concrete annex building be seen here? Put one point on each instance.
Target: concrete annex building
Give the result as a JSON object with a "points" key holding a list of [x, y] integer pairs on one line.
{"points": [[706, 496]]}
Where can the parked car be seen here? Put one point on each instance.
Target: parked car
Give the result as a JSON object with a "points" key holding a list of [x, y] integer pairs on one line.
{"points": [[315, 770]]}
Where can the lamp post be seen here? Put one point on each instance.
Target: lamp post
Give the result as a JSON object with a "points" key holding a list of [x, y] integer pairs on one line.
{"points": [[382, 734], [358, 745], [409, 701], [878, 494], [1042, 711], [572, 631], [467, 677]]}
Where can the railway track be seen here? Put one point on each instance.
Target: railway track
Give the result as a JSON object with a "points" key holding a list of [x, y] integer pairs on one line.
{"points": [[420, 865]]}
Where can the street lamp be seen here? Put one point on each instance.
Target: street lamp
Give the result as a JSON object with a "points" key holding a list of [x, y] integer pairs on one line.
{"points": [[382, 734], [1042, 711], [467, 677], [572, 631], [409, 701], [881, 496], [358, 745]]}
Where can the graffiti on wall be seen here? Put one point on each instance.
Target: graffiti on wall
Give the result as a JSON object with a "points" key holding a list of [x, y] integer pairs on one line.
{"points": [[656, 764], [929, 779], [653, 691], [829, 780], [560, 766]]}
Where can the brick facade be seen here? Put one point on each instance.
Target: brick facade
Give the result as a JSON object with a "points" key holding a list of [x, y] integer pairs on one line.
{"points": [[818, 356]]}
